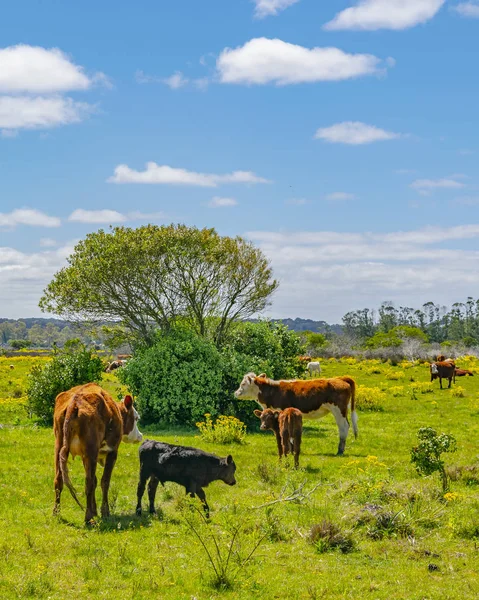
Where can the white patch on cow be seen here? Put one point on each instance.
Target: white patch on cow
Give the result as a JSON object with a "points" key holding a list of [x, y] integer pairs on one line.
{"points": [[323, 410], [434, 370], [248, 390], [75, 446], [341, 421], [354, 419], [135, 435]]}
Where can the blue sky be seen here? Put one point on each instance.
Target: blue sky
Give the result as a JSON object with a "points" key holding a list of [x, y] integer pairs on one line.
{"points": [[339, 136]]}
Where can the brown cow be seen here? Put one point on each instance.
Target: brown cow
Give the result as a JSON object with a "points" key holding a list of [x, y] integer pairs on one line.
{"points": [[443, 370], [287, 426], [90, 424], [463, 373], [315, 398]]}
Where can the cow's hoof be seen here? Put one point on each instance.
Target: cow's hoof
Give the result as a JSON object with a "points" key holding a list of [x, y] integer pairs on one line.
{"points": [[138, 512]]}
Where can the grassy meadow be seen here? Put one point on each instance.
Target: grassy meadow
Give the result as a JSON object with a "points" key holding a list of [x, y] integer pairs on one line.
{"points": [[361, 526]]}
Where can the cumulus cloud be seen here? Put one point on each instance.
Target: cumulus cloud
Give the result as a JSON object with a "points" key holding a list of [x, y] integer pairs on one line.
{"points": [[324, 274], [218, 202], [25, 112], [261, 61], [370, 15], [354, 133], [166, 175], [48, 243], [266, 8], [468, 9], [174, 82], [27, 216], [340, 196], [81, 215]]}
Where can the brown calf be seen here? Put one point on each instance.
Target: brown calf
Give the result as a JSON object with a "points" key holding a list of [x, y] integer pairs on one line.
{"points": [[463, 373], [90, 424], [315, 398], [287, 426]]}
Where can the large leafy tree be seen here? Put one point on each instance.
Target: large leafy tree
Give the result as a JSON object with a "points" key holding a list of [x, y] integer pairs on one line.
{"points": [[150, 277]]}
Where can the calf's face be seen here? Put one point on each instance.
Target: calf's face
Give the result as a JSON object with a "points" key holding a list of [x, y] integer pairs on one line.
{"points": [[248, 390], [131, 433], [228, 469], [269, 418]]}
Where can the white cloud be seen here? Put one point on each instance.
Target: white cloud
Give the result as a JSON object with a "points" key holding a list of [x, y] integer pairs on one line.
{"points": [[370, 15], [261, 61], [340, 196], [427, 185], [96, 216], [174, 82], [324, 274], [81, 215], [354, 133], [48, 243], [218, 202], [8, 133], [265, 8], [166, 175], [25, 112], [27, 216], [37, 70], [468, 9]]}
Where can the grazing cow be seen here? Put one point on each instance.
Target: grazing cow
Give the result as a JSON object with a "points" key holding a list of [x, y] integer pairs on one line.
{"points": [[189, 467], [90, 424], [314, 398], [115, 364], [443, 370], [287, 426], [463, 373], [314, 367]]}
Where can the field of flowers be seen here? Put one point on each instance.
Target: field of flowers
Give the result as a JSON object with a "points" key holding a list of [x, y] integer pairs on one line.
{"points": [[365, 525]]}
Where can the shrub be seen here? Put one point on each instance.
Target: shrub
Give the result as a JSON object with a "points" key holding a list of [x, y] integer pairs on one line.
{"points": [[396, 390], [226, 430], [395, 375], [327, 536], [423, 387], [370, 398], [426, 456], [67, 369], [389, 524], [458, 392]]}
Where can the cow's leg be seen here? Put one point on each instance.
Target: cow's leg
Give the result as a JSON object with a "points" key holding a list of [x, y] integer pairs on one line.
{"points": [[90, 486], [279, 443], [440, 382], [152, 485], [105, 482], [285, 441], [450, 382], [140, 490], [297, 448], [58, 474], [343, 427], [202, 496]]}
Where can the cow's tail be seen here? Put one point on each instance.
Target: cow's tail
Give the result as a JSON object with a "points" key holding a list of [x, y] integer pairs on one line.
{"points": [[71, 413], [354, 414]]}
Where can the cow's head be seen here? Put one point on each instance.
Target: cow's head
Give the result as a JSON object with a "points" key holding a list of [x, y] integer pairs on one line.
{"points": [[434, 370], [269, 418], [228, 470], [130, 415], [248, 390]]}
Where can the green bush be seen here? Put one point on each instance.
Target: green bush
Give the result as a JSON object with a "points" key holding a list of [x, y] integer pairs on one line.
{"points": [[226, 430], [68, 368], [184, 376], [426, 456]]}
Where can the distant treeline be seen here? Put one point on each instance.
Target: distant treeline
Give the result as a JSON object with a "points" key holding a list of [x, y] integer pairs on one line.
{"points": [[44, 333], [460, 323]]}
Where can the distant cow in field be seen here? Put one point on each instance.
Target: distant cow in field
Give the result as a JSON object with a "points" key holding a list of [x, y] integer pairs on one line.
{"points": [[90, 424], [315, 398], [190, 467], [443, 370], [314, 367], [287, 426], [115, 364], [463, 373]]}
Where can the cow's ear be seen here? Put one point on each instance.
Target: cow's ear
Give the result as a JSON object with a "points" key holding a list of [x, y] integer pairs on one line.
{"points": [[263, 375], [229, 459], [128, 401], [258, 413]]}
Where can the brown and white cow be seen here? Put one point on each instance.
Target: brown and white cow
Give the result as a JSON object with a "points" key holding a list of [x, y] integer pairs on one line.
{"points": [[463, 373], [315, 398], [287, 426], [90, 424], [443, 370]]}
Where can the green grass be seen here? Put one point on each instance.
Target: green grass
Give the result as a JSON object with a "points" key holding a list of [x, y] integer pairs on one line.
{"points": [[373, 528]]}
